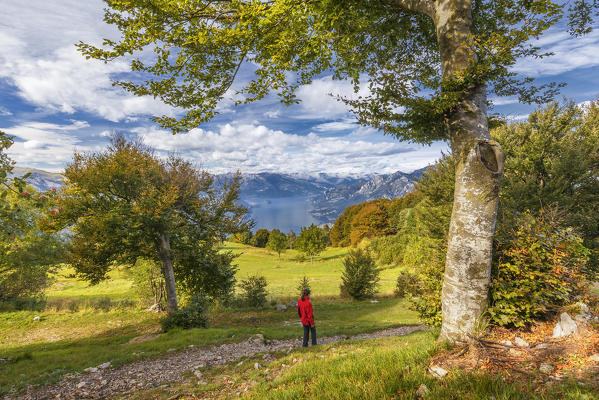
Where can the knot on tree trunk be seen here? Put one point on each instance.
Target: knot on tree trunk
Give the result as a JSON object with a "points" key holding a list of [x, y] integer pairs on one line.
{"points": [[490, 155]]}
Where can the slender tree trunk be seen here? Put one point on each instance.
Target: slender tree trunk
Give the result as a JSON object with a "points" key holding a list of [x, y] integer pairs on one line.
{"points": [[164, 247], [479, 169]]}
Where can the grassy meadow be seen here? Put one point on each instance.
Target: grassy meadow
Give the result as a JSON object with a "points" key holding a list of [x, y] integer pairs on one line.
{"points": [[83, 326]]}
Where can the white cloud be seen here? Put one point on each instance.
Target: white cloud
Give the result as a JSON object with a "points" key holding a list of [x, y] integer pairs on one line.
{"points": [[256, 148], [44, 145], [517, 118], [38, 57], [503, 101], [272, 114], [570, 53], [335, 126], [318, 99]]}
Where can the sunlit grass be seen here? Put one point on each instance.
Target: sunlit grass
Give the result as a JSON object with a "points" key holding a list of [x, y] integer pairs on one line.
{"points": [[85, 325], [390, 368], [284, 275]]}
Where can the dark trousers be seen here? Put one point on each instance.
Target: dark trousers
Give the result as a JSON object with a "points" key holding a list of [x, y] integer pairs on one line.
{"points": [[307, 330]]}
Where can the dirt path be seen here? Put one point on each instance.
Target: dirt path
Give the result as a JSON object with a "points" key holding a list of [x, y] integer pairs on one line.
{"points": [[108, 382]]}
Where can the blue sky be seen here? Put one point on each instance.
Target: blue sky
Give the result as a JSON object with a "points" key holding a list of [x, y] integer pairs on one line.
{"points": [[55, 102]]}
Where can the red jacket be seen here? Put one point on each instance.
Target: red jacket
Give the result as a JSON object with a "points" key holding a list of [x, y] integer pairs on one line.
{"points": [[304, 310]]}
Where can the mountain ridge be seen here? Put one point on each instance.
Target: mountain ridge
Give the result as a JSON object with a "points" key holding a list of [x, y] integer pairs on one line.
{"points": [[288, 201]]}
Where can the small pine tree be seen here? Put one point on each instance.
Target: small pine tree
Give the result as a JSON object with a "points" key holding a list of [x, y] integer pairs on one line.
{"points": [[254, 291], [304, 284], [360, 277]]}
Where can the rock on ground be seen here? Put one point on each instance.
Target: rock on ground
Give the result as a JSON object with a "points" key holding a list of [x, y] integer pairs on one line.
{"points": [[520, 342], [422, 390], [566, 326], [437, 371]]}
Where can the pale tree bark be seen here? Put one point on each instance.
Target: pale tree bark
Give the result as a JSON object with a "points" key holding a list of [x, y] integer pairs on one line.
{"points": [[479, 169], [164, 251]]}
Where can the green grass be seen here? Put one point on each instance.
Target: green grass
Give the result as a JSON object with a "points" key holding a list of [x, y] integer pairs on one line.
{"points": [[85, 326], [284, 275], [391, 368], [118, 287]]}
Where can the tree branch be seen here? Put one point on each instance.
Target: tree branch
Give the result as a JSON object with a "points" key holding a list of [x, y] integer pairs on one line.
{"points": [[426, 7]]}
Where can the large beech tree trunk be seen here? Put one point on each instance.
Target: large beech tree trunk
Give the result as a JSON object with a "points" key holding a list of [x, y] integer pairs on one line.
{"points": [[164, 250], [479, 169]]}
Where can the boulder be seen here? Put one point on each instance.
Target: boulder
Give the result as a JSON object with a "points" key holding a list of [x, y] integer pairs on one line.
{"points": [[91, 369], [281, 307], [36, 318], [293, 304], [257, 366], [437, 371], [104, 365], [566, 326]]}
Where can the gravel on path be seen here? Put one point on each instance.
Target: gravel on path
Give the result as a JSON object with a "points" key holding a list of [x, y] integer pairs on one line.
{"points": [[107, 382]]}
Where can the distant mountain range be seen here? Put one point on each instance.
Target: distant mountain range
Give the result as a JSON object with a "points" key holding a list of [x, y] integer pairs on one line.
{"points": [[41, 180], [329, 205], [289, 201], [272, 185]]}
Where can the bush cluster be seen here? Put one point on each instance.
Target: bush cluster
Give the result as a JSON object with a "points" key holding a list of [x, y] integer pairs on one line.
{"points": [[539, 268], [194, 315], [408, 283]]}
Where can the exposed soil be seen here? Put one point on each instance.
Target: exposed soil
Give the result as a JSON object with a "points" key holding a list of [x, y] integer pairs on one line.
{"points": [[109, 382]]}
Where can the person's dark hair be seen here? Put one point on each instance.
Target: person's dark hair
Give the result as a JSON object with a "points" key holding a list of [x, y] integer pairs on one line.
{"points": [[305, 293]]}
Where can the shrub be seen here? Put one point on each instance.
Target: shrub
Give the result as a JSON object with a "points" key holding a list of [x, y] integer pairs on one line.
{"points": [[408, 283], [360, 277], [191, 316], [539, 269], [253, 291], [304, 283], [427, 303]]}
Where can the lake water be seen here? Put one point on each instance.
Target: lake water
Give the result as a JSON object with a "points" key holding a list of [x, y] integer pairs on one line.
{"points": [[285, 214]]}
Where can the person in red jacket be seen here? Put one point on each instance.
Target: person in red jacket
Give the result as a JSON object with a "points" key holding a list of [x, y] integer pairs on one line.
{"points": [[304, 310]]}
